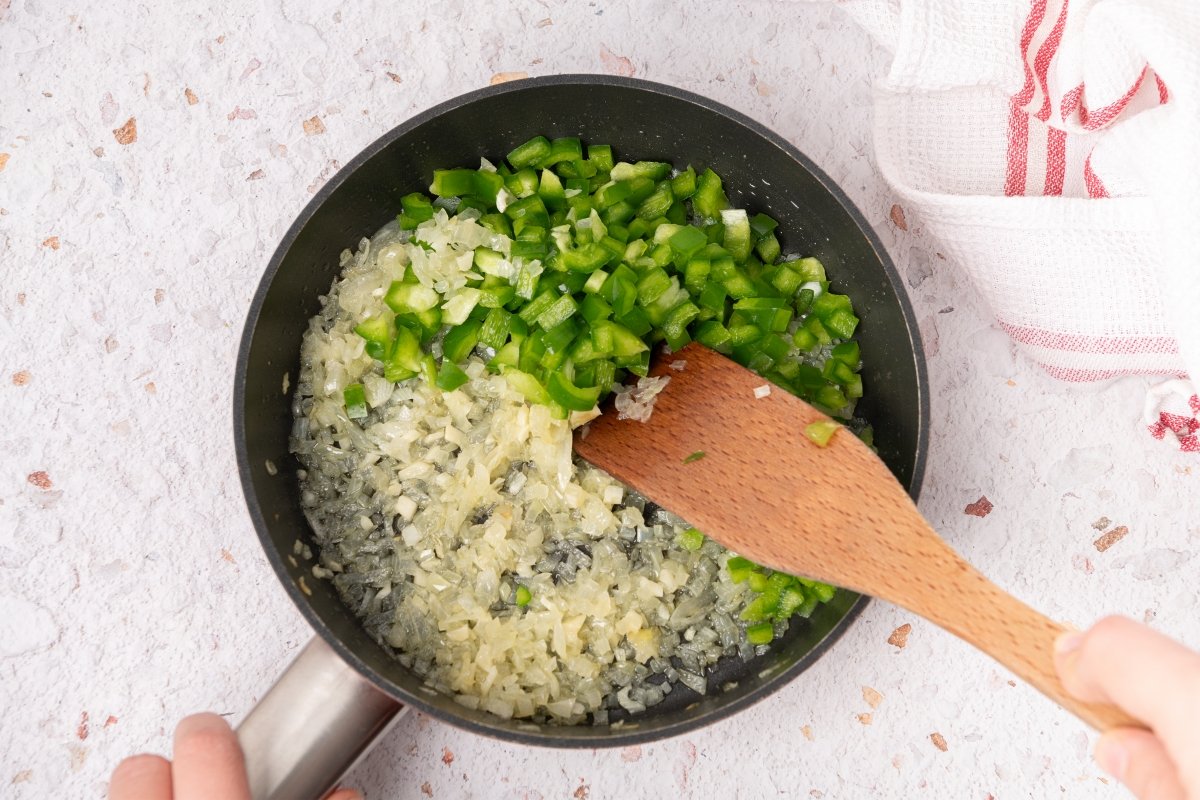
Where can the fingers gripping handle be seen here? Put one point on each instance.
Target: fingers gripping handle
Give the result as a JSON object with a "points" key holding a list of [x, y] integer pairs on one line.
{"points": [[312, 726]]}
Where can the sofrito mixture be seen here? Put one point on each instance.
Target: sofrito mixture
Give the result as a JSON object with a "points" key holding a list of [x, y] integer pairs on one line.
{"points": [[439, 388]]}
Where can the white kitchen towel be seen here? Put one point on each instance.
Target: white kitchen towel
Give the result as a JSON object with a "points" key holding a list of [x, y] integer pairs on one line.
{"points": [[1052, 148]]}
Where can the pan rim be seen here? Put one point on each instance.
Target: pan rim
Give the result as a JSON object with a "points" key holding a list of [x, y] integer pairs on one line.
{"points": [[609, 737]]}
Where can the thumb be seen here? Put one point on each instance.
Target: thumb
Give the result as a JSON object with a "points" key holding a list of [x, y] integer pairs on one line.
{"points": [[344, 794], [1138, 759]]}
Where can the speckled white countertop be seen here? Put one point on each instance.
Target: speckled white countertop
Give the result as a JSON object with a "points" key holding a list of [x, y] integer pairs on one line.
{"points": [[151, 156]]}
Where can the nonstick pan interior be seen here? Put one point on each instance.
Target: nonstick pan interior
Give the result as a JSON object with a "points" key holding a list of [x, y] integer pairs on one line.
{"points": [[640, 120]]}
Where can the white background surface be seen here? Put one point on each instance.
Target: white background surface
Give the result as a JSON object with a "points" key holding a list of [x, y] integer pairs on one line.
{"points": [[132, 587]]}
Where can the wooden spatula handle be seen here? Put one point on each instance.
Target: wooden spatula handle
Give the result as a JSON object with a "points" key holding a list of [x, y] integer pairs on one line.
{"points": [[1014, 634]]}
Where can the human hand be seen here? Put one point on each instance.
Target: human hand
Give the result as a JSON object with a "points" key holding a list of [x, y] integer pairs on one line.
{"points": [[1156, 680], [207, 764]]}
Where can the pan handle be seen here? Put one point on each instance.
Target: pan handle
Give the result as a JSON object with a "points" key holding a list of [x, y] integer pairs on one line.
{"points": [[312, 726]]}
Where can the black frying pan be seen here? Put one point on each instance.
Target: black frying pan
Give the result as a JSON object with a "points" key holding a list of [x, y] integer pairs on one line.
{"points": [[642, 120]]}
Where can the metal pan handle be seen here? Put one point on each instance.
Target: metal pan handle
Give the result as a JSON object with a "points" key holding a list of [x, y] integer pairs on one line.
{"points": [[312, 726]]}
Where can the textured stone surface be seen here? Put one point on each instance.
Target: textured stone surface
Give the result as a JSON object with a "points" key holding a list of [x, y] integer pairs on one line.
{"points": [[152, 155]]}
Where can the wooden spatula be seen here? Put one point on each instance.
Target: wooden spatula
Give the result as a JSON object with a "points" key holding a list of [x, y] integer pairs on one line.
{"points": [[836, 514]]}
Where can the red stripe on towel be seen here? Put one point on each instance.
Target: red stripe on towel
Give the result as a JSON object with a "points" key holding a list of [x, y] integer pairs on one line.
{"points": [[1056, 161], [1083, 343], [1095, 186], [1045, 56], [1163, 94], [1018, 120]]}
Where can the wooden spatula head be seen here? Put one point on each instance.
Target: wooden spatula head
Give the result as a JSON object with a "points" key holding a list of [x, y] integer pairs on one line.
{"points": [[738, 466]]}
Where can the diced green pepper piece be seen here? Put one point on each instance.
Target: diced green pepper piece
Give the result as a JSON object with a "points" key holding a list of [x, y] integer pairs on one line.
{"points": [[405, 358], [658, 203], [601, 156], [758, 581], [739, 285], [529, 386], [786, 280], [612, 193], [823, 591], [450, 376], [595, 281], [636, 320], [709, 200], [762, 225], [523, 595], [585, 349], [593, 308], [675, 325], [498, 223], [404, 298], [620, 212], [712, 334], [528, 211], [461, 340], [841, 324], [489, 261], [586, 258], [485, 186], [605, 376], [758, 609], [827, 304], [576, 169], [683, 185], [847, 353], [767, 248], [696, 274], [424, 323], [453, 182], [653, 170], [814, 326], [760, 633], [624, 342], [621, 291], [662, 255], [737, 233], [537, 305], [550, 189], [740, 335], [507, 356], [558, 338], [652, 284], [810, 269], [378, 333], [530, 251], [804, 339], [557, 312], [494, 332], [570, 396], [686, 241], [821, 431], [691, 539], [523, 183], [791, 600], [415, 209], [713, 297], [529, 153], [568, 148], [355, 398], [739, 568], [677, 213], [496, 296], [776, 346]]}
